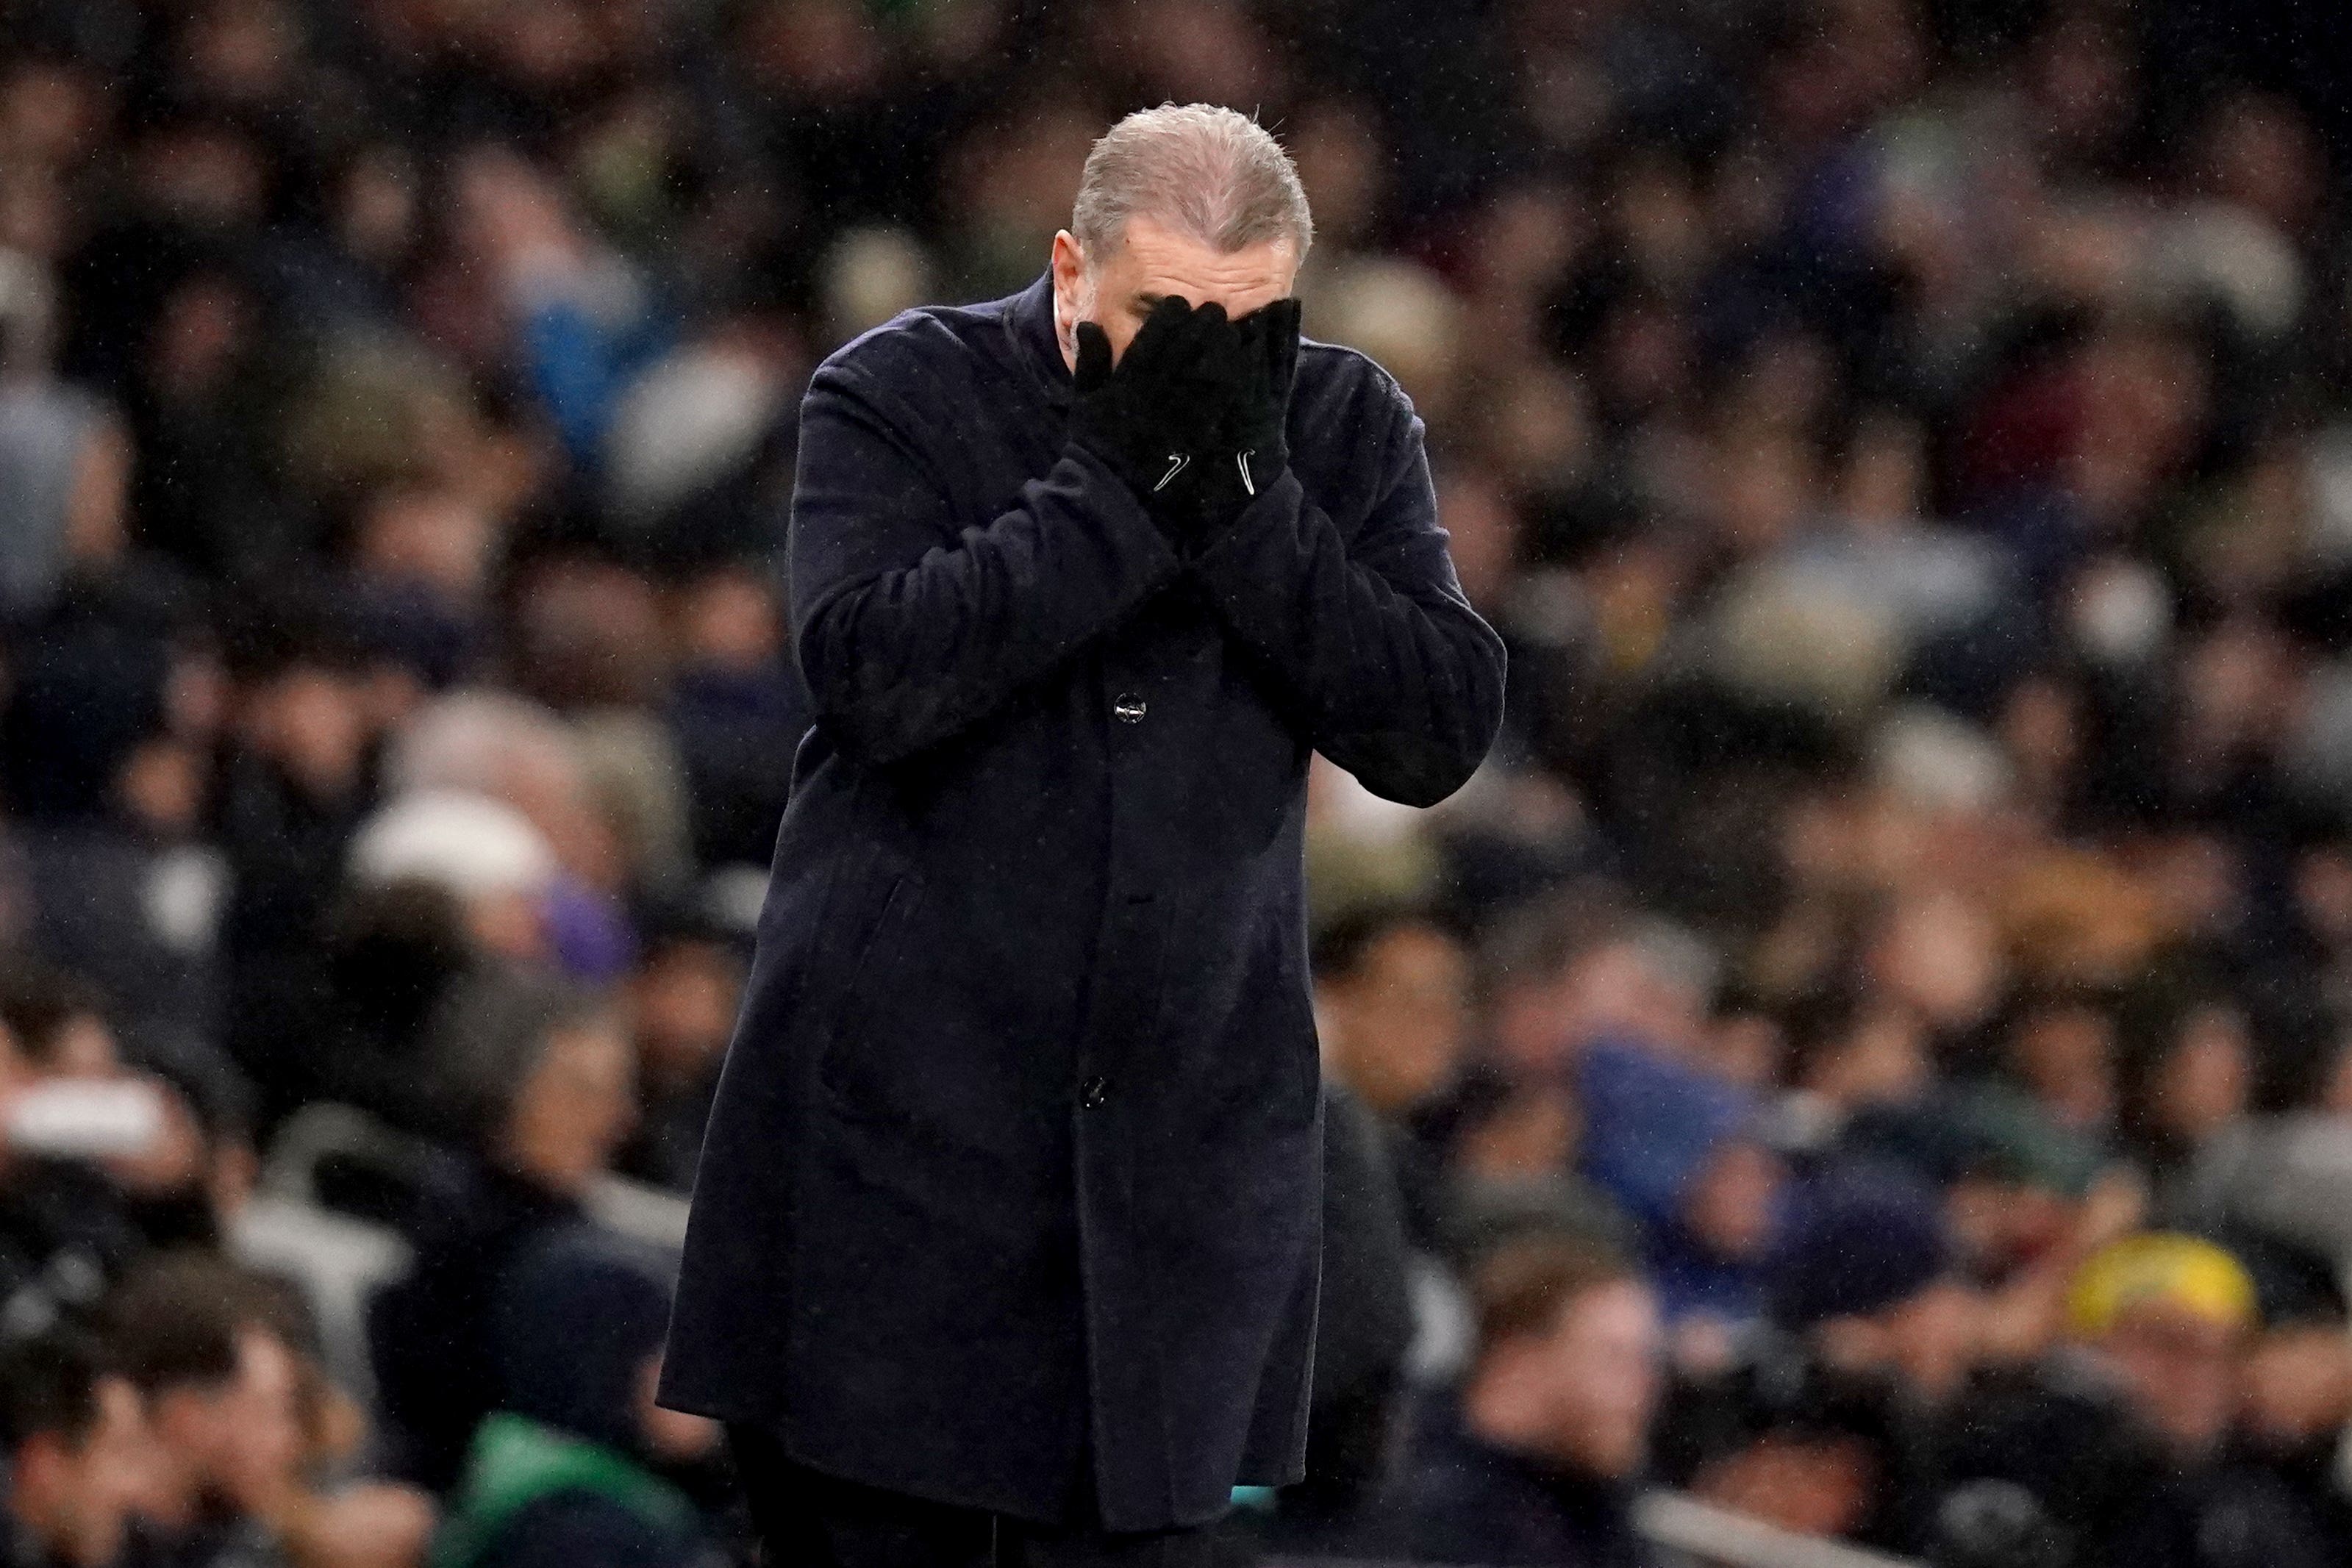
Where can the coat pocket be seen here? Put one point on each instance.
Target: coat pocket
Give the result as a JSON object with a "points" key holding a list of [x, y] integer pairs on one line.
{"points": [[1303, 1083], [867, 965]]}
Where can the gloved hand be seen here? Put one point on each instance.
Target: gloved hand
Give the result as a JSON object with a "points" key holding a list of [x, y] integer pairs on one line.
{"points": [[1146, 417], [1261, 412], [1245, 372]]}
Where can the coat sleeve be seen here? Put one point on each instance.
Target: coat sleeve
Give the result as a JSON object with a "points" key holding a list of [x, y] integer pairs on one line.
{"points": [[1395, 677], [909, 631]]}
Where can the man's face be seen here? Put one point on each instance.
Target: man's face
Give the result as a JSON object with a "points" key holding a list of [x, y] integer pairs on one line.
{"points": [[1603, 1362], [241, 1441], [1404, 1020], [1117, 291], [77, 1495], [267, 1415], [1731, 1206], [2183, 1371], [578, 1104]]}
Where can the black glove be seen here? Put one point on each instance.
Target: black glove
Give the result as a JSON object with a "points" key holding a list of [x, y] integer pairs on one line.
{"points": [[1246, 373], [1146, 417], [1262, 412]]}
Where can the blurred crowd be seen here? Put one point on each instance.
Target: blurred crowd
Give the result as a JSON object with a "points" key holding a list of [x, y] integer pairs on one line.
{"points": [[1872, 1049]]}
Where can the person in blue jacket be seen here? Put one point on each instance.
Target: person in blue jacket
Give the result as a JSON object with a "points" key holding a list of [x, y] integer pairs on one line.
{"points": [[1007, 1208]]}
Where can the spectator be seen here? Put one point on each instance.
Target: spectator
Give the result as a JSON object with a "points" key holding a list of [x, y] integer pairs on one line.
{"points": [[590, 644], [175, 1310], [1392, 1014], [102, 1161], [681, 1002], [534, 1078], [2120, 1437], [1365, 1329], [1684, 1156], [65, 458], [2186, 1084], [1795, 1444], [1853, 1055], [220, 1387], [2298, 1381], [1531, 1461], [565, 1472], [477, 851], [738, 710], [77, 1442], [1868, 1275]]}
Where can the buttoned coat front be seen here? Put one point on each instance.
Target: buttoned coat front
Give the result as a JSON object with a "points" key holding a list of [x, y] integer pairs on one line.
{"points": [[1014, 1164]]}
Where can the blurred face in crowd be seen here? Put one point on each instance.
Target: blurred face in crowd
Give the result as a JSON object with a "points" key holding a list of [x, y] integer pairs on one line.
{"points": [[238, 1442], [81, 1047], [310, 720], [75, 1492], [682, 1004], [435, 538], [2066, 1057], [1580, 1393], [2181, 1369], [1481, 525], [1532, 1134], [1628, 988], [1603, 1357], [1117, 291], [2002, 1223], [1814, 1484], [1732, 1205], [1929, 1341], [2298, 1385], [1746, 1049], [576, 1106], [2207, 1076], [1882, 1059], [1617, 987], [1885, 472], [730, 621], [1400, 1022], [262, 1437]]}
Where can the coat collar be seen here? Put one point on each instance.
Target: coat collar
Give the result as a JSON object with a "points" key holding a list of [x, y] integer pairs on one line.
{"points": [[1029, 317]]}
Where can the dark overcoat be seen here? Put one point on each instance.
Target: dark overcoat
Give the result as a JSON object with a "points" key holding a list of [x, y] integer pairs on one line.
{"points": [[1015, 1161]]}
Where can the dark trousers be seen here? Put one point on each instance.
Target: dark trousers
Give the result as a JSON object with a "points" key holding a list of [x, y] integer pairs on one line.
{"points": [[806, 1519]]}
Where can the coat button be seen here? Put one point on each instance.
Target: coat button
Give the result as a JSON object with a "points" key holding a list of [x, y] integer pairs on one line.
{"points": [[1093, 1092], [1129, 707]]}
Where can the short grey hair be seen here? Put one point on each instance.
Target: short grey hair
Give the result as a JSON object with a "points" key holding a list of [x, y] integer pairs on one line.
{"points": [[1207, 172]]}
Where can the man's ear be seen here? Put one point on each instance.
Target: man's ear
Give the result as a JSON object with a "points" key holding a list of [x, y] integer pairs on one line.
{"points": [[1069, 266]]}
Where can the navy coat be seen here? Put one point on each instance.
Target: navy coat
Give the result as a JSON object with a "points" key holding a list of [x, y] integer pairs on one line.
{"points": [[1014, 1161]]}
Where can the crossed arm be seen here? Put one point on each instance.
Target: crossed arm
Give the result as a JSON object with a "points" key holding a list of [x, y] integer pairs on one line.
{"points": [[909, 632]]}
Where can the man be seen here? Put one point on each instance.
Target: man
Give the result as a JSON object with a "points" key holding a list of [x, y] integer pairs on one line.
{"points": [[1683, 1153], [1008, 1202], [1867, 1276], [77, 1444], [2121, 1437], [222, 1389], [1531, 1459], [567, 1472], [536, 1078], [1794, 1443], [1393, 1006]]}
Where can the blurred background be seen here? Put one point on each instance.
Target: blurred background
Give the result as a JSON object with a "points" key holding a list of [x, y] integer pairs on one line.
{"points": [[1868, 1052]]}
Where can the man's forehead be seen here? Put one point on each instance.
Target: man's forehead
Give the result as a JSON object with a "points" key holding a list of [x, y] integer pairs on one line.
{"points": [[1154, 262]]}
